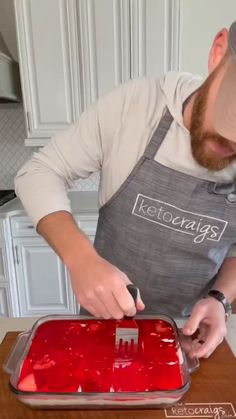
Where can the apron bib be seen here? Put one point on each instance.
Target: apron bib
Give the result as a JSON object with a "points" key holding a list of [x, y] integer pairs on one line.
{"points": [[168, 231]]}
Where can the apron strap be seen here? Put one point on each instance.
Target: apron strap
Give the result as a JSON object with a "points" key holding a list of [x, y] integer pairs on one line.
{"points": [[158, 135]]}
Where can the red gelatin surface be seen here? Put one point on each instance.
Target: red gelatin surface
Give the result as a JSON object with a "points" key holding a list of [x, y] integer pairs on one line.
{"points": [[80, 356]]}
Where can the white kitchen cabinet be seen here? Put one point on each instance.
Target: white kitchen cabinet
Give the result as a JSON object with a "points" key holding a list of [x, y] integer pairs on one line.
{"points": [[45, 33], [67, 59], [43, 283], [5, 301], [4, 297], [103, 46], [154, 37], [43, 287], [73, 51], [88, 224]]}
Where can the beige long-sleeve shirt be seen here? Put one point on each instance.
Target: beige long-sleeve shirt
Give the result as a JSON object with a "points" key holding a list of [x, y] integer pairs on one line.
{"points": [[110, 137]]}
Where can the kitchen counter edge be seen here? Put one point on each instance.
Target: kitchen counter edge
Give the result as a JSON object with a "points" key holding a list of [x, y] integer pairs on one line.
{"points": [[81, 202]]}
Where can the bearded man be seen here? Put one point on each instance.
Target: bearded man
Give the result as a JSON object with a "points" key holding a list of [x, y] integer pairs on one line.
{"points": [[166, 152]]}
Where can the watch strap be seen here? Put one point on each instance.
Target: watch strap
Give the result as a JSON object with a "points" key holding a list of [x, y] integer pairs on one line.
{"points": [[219, 296]]}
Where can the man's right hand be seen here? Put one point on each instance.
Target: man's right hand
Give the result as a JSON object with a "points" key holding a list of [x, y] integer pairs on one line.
{"points": [[100, 288]]}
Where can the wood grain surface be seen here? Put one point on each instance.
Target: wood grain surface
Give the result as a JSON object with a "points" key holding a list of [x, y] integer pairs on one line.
{"points": [[213, 387]]}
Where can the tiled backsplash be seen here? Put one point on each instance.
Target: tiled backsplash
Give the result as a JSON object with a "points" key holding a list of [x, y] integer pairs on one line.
{"points": [[13, 152]]}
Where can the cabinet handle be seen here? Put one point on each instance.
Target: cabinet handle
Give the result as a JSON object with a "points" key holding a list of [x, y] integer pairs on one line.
{"points": [[30, 226], [17, 255]]}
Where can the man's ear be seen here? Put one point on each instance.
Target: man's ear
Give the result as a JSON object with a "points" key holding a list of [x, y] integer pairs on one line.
{"points": [[218, 49]]}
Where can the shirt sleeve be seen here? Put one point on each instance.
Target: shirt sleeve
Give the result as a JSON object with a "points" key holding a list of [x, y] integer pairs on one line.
{"points": [[42, 183]]}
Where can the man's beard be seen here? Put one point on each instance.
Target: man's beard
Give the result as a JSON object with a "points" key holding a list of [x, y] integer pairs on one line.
{"points": [[200, 139]]}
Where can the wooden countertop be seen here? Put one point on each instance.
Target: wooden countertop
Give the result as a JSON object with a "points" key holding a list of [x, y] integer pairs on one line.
{"points": [[213, 389]]}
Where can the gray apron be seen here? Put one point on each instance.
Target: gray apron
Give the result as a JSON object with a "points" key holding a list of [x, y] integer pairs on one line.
{"points": [[168, 231]]}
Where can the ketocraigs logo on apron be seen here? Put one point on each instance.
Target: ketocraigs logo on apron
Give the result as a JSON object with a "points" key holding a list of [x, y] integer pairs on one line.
{"points": [[201, 227]]}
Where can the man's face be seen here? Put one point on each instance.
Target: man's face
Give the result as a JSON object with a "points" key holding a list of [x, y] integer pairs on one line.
{"points": [[209, 149]]}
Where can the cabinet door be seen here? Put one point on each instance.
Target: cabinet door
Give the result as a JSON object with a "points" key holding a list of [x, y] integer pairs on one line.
{"points": [[122, 39], [70, 52], [5, 306], [155, 37], [2, 279], [4, 302], [45, 32], [43, 286], [104, 45], [88, 224], [73, 51], [4, 298]]}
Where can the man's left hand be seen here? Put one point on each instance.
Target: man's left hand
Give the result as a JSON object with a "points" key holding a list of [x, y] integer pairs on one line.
{"points": [[209, 320]]}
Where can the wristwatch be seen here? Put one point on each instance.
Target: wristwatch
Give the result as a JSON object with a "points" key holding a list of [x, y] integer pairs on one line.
{"points": [[218, 295]]}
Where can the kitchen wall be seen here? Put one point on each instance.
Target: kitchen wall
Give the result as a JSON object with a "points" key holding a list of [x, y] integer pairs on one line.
{"points": [[13, 153], [200, 22]]}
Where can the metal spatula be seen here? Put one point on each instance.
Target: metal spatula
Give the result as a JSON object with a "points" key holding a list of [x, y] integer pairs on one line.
{"points": [[127, 333]]}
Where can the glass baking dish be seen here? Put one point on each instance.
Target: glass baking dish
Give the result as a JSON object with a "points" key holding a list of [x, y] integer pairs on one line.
{"points": [[70, 362]]}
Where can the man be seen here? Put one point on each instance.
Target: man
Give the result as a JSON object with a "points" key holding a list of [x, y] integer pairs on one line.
{"points": [[166, 150]]}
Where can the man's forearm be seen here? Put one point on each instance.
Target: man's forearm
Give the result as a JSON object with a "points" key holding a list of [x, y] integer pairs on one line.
{"points": [[64, 236], [226, 279], [98, 286]]}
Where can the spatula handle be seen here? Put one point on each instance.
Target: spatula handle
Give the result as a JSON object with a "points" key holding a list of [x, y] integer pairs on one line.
{"points": [[133, 290]]}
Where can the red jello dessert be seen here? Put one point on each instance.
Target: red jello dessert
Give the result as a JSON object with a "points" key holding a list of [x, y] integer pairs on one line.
{"points": [[79, 356]]}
